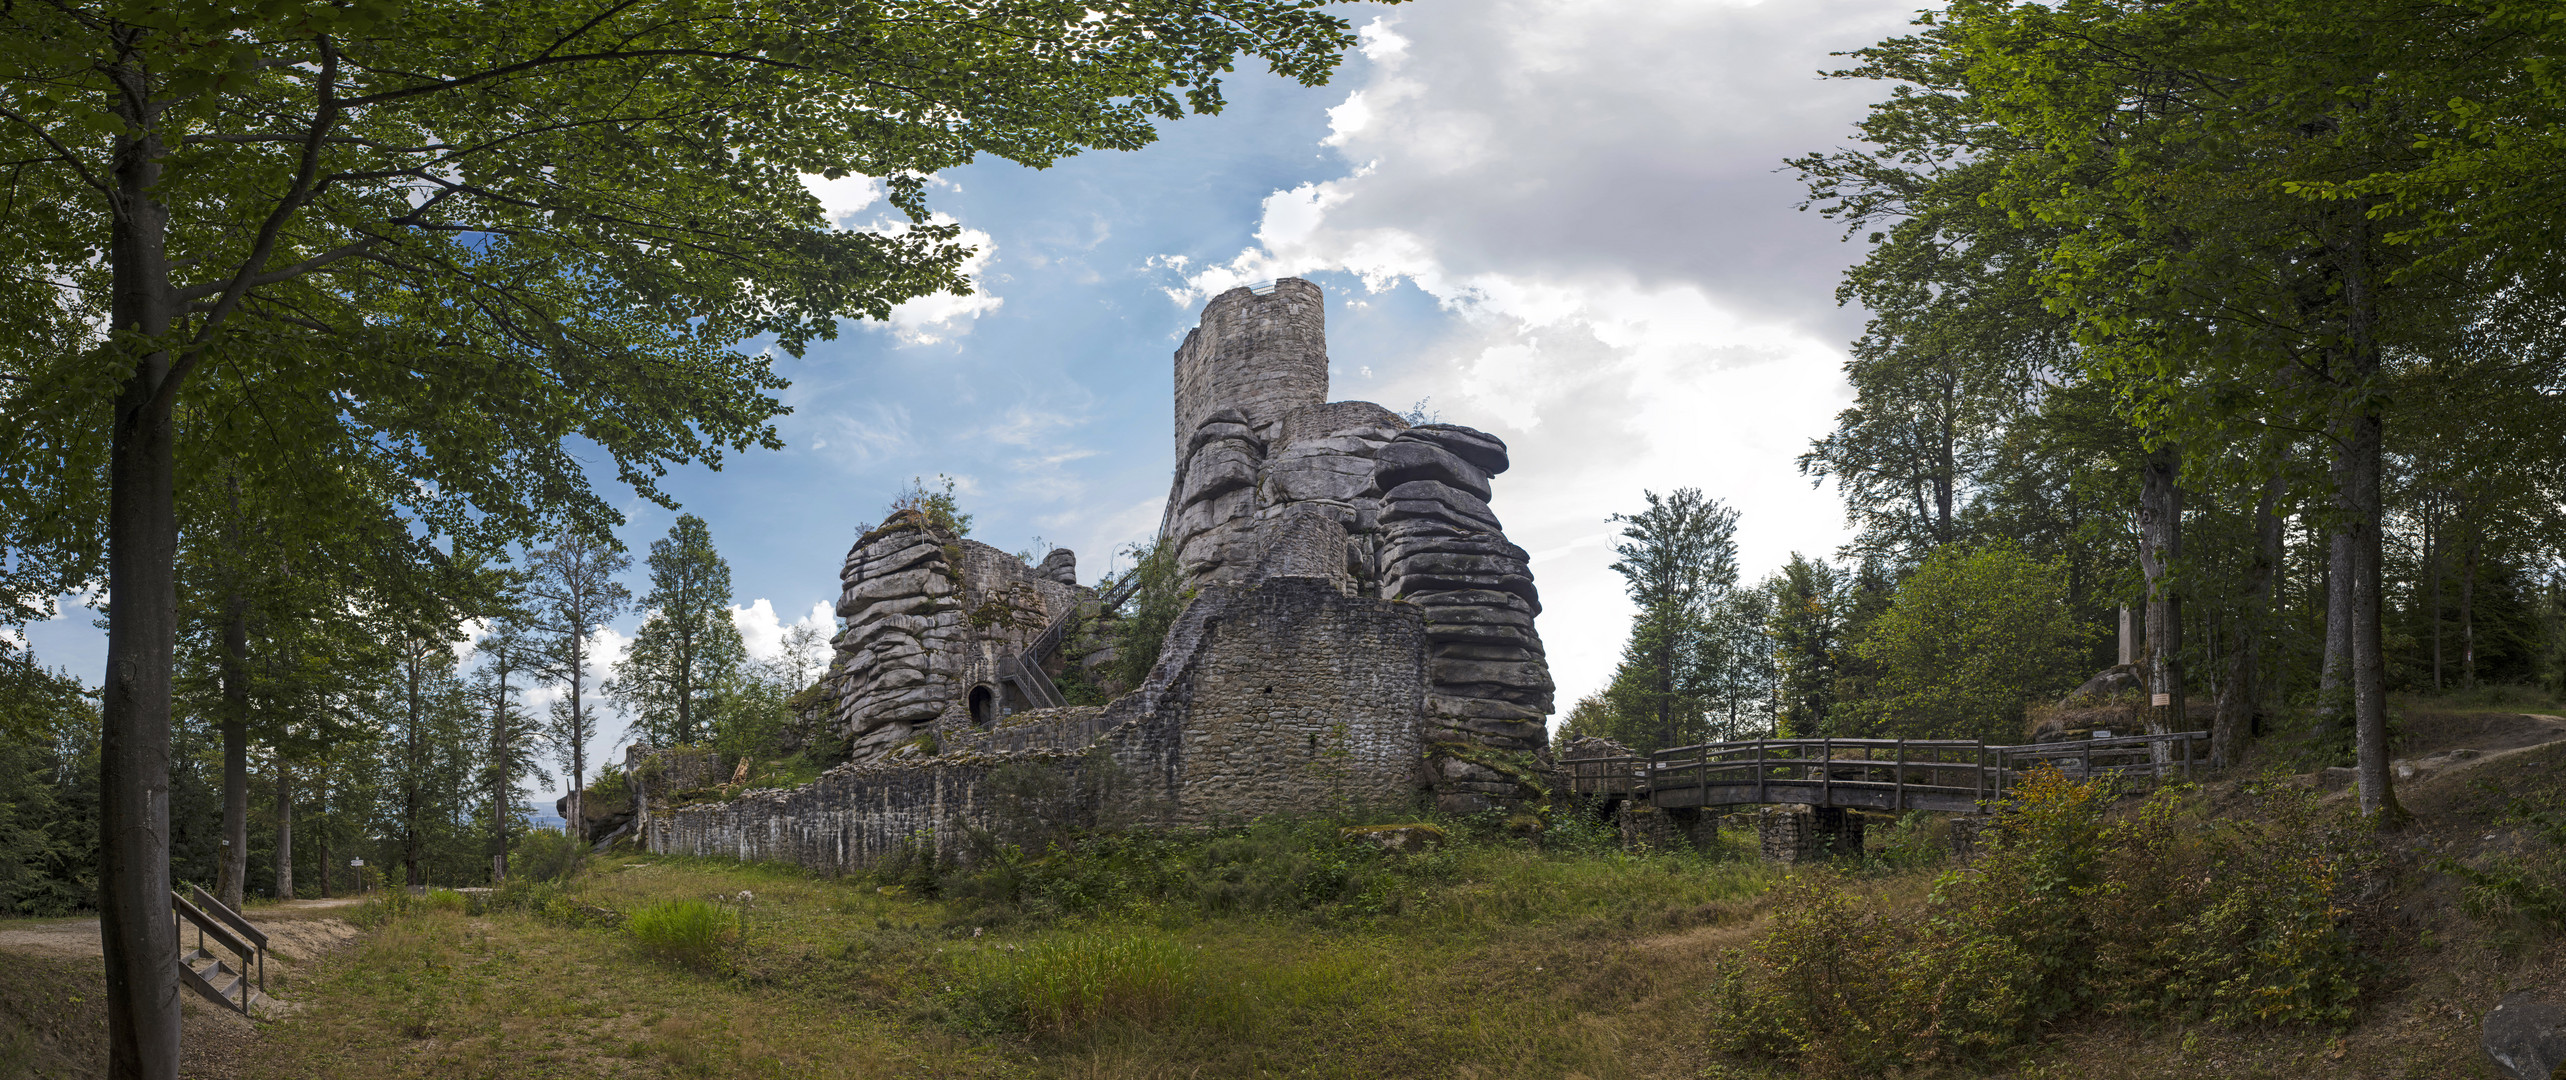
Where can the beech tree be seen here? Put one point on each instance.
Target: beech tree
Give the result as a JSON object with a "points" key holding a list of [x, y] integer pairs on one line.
{"points": [[436, 239]]}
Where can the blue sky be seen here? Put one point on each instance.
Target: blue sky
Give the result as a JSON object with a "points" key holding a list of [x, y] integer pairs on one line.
{"points": [[1562, 221]]}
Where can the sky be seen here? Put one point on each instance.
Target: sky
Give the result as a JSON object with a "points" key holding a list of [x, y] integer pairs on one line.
{"points": [[1564, 222]]}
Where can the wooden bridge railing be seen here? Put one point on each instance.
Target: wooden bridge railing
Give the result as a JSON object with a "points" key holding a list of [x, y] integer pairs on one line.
{"points": [[1889, 774]]}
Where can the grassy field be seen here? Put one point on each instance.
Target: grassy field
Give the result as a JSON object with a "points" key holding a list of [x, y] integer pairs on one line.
{"points": [[1488, 959], [1277, 951]]}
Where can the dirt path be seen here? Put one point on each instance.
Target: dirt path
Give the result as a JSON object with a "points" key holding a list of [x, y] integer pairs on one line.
{"points": [[296, 930]]}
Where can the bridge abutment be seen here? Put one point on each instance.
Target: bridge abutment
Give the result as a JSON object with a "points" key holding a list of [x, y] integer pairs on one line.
{"points": [[1808, 834]]}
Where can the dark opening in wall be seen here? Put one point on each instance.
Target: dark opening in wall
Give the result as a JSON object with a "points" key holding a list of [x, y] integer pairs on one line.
{"points": [[984, 706]]}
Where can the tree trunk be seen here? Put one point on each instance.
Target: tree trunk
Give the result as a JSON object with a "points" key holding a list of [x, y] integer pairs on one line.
{"points": [[2369, 667], [2432, 570], [134, 919], [2160, 543], [577, 826], [284, 830], [232, 868], [2468, 608], [411, 758], [499, 759], [2240, 699], [322, 840], [2335, 676]]}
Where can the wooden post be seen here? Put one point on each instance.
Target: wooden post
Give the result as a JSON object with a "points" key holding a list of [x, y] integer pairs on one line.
{"points": [[1826, 770], [1759, 772], [1902, 775], [1979, 759]]}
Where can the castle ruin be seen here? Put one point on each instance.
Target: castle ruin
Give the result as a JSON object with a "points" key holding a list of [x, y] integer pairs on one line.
{"points": [[1359, 632]]}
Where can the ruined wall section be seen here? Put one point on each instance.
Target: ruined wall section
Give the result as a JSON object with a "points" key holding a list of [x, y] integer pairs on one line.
{"points": [[1287, 695], [1304, 698], [929, 616]]}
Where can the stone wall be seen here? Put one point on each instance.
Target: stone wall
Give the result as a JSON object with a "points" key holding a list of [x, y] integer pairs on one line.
{"points": [[1283, 695], [1799, 834], [1302, 698]]}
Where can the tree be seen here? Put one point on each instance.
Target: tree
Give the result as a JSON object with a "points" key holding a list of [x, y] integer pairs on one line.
{"points": [[688, 653], [574, 592], [1807, 627], [1972, 636], [1676, 558], [410, 231], [1732, 667], [507, 651]]}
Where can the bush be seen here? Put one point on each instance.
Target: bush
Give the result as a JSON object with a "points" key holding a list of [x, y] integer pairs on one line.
{"points": [[693, 933], [545, 855], [2159, 913], [443, 900], [1133, 978]]}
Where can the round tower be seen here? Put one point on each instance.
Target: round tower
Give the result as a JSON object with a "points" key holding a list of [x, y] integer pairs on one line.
{"points": [[1261, 352]]}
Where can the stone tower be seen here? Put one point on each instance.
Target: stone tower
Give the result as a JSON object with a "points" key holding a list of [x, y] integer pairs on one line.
{"points": [[1264, 355]]}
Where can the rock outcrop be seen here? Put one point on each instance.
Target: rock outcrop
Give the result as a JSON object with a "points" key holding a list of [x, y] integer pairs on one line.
{"points": [[1261, 453], [933, 624]]}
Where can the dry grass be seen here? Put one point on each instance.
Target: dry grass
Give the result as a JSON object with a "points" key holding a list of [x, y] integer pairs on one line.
{"points": [[1505, 963]]}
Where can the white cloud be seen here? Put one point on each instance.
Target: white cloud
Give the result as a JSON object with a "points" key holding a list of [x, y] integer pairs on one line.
{"points": [[844, 198], [926, 319], [935, 317], [762, 630], [1595, 191]]}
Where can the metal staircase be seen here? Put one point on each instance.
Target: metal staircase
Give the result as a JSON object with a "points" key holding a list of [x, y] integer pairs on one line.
{"points": [[1024, 671]]}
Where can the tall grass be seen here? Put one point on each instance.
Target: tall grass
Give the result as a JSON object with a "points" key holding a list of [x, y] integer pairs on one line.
{"points": [[693, 933], [1084, 981]]}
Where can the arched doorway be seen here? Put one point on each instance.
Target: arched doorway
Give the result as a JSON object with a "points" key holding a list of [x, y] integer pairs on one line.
{"points": [[984, 706]]}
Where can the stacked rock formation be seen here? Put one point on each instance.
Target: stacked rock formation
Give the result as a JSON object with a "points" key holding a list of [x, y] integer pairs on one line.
{"points": [[1261, 452], [929, 620], [1443, 550], [897, 666]]}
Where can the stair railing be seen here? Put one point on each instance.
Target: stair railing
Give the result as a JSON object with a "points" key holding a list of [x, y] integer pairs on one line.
{"points": [[220, 929]]}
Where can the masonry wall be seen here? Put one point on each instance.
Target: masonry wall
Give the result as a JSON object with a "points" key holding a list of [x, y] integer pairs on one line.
{"points": [[1285, 695], [1264, 356], [1305, 699]]}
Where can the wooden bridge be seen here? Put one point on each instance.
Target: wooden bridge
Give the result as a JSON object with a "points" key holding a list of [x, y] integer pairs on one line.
{"points": [[1873, 774]]}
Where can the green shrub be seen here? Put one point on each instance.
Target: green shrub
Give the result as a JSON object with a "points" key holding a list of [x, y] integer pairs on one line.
{"points": [[694, 933], [1081, 982], [443, 900], [545, 855], [2156, 913]]}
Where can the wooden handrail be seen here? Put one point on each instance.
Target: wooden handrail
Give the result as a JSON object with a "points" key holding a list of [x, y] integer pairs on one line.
{"points": [[217, 909], [208, 925]]}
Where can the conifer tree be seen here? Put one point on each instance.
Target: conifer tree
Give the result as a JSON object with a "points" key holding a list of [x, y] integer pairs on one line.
{"points": [[688, 654]]}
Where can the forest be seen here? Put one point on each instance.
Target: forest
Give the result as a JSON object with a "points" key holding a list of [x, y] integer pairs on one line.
{"points": [[2239, 322]]}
